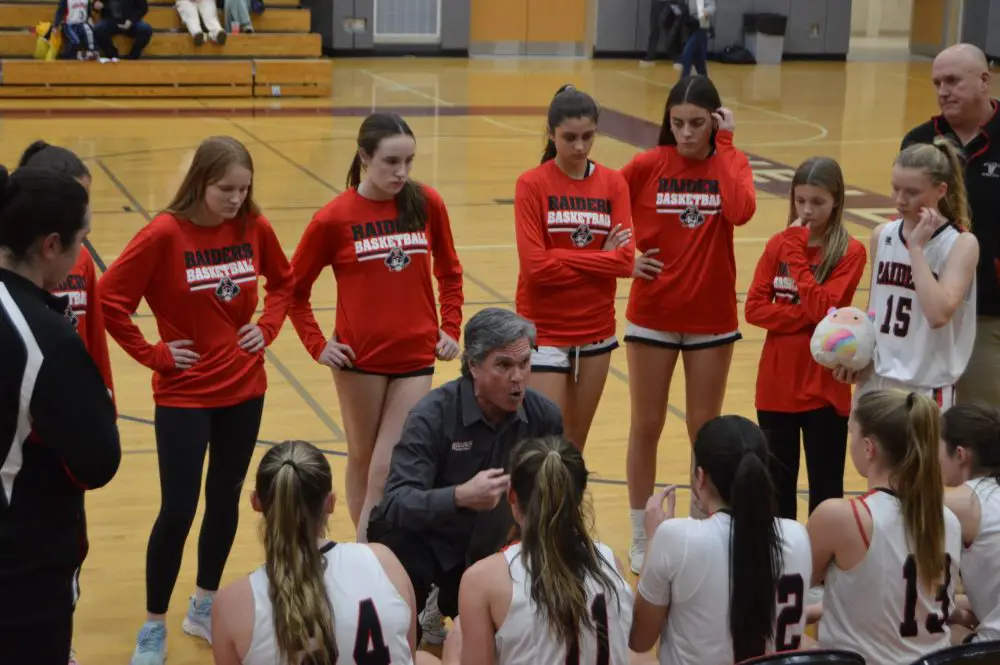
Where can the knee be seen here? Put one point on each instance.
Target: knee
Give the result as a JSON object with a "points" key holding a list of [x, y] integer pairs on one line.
{"points": [[142, 30], [646, 428]]}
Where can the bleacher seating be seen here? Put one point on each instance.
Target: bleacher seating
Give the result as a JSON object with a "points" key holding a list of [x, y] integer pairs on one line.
{"points": [[280, 58], [809, 657], [975, 653]]}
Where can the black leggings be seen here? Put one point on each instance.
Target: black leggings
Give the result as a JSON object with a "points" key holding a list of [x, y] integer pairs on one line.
{"points": [[182, 437], [824, 436]]}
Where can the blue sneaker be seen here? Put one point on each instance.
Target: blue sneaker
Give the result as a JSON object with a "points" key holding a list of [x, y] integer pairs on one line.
{"points": [[151, 644], [198, 621]]}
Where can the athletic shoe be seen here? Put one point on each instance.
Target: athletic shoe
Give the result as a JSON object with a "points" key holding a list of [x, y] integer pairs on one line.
{"points": [[151, 644], [431, 621], [198, 621]]}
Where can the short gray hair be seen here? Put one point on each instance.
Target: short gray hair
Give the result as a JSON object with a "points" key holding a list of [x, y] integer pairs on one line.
{"points": [[491, 329]]}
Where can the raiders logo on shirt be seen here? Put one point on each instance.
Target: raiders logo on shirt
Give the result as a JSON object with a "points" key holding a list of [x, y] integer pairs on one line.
{"points": [[227, 289], [397, 259], [582, 236], [692, 218]]}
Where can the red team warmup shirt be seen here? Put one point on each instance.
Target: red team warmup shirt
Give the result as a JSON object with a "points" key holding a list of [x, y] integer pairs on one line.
{"points": [[385, 297], [688, 209], [786, 300], [80, 286], [201, 284], [567, 282]]}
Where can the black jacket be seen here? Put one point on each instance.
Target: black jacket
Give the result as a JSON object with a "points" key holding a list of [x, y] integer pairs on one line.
{"points": [[982, 181], [121, 10], [58, 437]]}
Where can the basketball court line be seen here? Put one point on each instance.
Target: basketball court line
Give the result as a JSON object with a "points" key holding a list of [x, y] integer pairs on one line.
{"points": [[301, 167]]}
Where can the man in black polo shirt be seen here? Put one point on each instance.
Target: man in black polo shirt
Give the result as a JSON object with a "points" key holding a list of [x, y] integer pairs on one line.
{"points": [[961, 77], [444, 506]]}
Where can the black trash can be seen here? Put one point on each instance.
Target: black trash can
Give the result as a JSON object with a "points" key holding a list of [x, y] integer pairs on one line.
{"points": [[764, 36]]}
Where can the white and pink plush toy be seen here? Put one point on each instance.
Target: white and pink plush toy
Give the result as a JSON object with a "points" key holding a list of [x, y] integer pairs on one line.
{"points": [[845, 337]]}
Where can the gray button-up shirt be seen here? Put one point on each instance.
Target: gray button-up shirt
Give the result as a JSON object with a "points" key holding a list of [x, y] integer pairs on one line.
{"points": [[445, 442]]}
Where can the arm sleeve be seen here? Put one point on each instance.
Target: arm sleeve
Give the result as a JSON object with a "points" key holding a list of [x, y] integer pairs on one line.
{"points": [[411, 500], [312, 255], [447, 271], [618, 263], [73, 414], [760, 309], [817, 299], [120, 290], [739, 197], [97, 335], [139, 11], [664, 558], [537, 263], [280, 282]]}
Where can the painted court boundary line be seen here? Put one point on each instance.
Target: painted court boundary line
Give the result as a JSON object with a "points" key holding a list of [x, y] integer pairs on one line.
{"points": [[864, 207]]}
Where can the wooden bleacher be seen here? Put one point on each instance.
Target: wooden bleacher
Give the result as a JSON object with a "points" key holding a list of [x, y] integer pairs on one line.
{"points": [[281, 58]]}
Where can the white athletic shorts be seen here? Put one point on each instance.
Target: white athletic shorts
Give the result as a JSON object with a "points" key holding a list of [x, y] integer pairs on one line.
{"points": [[562, 358], [675, 340]]}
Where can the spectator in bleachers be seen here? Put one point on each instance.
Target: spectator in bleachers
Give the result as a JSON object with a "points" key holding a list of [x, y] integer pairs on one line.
{"points": [[123, 17], [196, 12], [237, 12], [73, 18]]}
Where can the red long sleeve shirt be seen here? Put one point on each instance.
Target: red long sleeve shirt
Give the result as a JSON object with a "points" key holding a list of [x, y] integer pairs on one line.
{"points": [[567, 282], [80, 286], [202, 285], [688, 209], [385, 296], [786, 300]]}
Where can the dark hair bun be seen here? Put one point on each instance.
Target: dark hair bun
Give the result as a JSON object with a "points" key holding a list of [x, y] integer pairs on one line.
{"points": [[31, 151]]}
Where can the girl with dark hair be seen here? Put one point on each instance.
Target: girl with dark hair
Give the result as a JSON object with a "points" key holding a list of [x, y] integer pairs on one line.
{"points": [[198, 266], [759, 604], [890, 558], [688, 196], [379, 237], [573, 223], [970, 462], [313, 602], [556, 596], [807, 269], [923, 283], [57, 421], [80, 286]]}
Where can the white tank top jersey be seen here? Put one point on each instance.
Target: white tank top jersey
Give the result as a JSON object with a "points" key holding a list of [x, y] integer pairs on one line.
{"points": [[907, 349], [686, 568], [880, 608], [981, 563], [369, 615], [525, 637]]}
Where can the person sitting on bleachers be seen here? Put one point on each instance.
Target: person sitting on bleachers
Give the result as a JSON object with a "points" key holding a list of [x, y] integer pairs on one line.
{"points": [[123, 17], [195, 12], [236, 13], [73, 18]]}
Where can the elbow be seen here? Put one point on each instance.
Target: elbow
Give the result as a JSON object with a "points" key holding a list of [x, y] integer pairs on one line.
{"points": [[640, 643], [941, 316]]}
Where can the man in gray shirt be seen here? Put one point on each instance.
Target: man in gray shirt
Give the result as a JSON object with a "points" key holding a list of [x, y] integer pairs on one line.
{"points": [[444, 506]]}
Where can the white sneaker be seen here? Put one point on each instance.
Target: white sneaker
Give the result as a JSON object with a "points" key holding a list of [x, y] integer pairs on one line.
{"points": [[431, 621], [636, 555]]}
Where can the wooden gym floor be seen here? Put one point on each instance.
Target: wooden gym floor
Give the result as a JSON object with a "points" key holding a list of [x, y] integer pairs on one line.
{"points": [[479, 124]]}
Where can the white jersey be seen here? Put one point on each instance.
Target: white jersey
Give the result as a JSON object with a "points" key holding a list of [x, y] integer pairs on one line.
{"points": [[77, 11], [880, 608], [907, 349], [981, 562], [368, 612], [686, 568], [525, 637]]}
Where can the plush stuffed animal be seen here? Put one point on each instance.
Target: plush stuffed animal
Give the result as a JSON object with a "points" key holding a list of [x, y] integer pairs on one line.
{"points": [[845, 337]]}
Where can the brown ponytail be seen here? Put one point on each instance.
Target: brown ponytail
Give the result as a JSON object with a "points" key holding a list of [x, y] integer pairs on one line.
{"points": [[549, 479], [293, 483], [567, 103], [411, 204], [825, 173], [907, 429]]}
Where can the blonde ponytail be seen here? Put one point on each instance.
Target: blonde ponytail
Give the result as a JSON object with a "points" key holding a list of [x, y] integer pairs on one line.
{"points": [[942, 161], [293, 481]]}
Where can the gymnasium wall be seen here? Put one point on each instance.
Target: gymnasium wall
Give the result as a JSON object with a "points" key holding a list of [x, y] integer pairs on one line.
{"points": [[981, 25], [817, 29]]}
